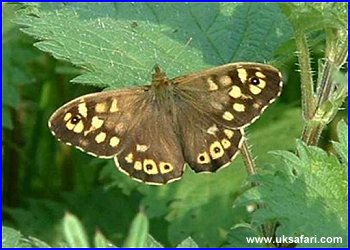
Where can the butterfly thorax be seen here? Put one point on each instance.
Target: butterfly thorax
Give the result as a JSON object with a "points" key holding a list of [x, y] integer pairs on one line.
{"points": [[161, 87]]}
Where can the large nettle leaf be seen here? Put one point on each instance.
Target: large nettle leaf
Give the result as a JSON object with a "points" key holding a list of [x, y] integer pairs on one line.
{"points": [[305, 193], [119, 43]]}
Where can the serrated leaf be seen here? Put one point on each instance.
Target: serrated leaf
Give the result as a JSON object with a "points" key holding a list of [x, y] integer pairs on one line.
{"points": [[138, 231], [120, 48], [74, 232], [187, 243], [310, 187], [12, 238], [342, 146], [312, 16], [152, 243]]}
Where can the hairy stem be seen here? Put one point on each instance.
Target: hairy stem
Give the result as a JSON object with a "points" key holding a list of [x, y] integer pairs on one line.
{"points": [[247, 158], [268, 228], [307, 88]]}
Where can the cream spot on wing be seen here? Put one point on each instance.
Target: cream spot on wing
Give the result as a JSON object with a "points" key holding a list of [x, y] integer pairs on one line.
{"points": [[150, 167], [114, 106], [203, 158], [138, 165], [165, 167], [141, 148], [254, 89], [260, 74], [242, 74], [212, 130], [70, 125], [82, 109], [101, 107], [216, 150], [239, 107], [227, 116], [225, 143], [256, 105], [235, 92], [212, 85], [100, 137], [79, 127], [129, 158], [216, 105], [229, 133], [262, 84], [97, 122], [225, 80], [67, 116], [114, 141]]}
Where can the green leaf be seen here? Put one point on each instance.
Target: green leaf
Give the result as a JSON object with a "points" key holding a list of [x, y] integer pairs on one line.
{"points": [[6, 118], [315, 16], [74, 232], [187, 243], [36, 243], [138, 232], [12, 238], [152, 243], [239, 234], [100, 241], [342, 146], [121, 47], [311, 187], [17, 54]]}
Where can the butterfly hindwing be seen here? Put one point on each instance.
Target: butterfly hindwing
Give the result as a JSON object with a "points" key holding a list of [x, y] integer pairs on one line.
{"points": [[152, 152], [207, 145], [234, 94]]}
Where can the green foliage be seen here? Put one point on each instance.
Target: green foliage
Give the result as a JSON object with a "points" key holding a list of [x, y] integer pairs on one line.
{"points": [[138, 232], [68, 199], [308, 187], [17, 53], [12, 238], [120, 48]]}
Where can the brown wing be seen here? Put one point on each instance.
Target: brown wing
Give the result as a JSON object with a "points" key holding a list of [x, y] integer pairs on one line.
{"points": [[97, 123], [152, 153], [126, 125], [234, 95], [207, 145]]}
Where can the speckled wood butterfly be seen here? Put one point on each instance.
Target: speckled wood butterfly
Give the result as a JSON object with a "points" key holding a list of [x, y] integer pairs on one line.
{"points": [[153, 131]]}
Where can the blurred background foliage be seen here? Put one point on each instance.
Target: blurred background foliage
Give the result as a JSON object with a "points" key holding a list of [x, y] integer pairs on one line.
{"points": [[111, 45]]}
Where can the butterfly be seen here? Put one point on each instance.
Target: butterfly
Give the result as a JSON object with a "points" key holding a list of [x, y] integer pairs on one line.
{"points": [[154, 131]]}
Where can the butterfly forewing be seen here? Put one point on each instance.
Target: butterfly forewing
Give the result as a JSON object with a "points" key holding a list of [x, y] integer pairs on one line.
{"points": [[97, 123], [234, 94]]}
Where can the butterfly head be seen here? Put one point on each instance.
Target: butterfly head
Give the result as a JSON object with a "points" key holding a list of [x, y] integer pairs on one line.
{"points": [[159, 77]]}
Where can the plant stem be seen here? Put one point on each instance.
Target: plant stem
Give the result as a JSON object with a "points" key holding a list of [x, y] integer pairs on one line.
{"points": [[307, 88], [267, 228], [248, 159]]}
